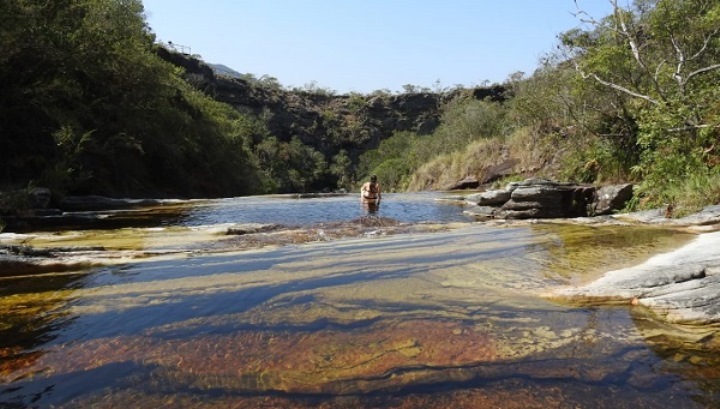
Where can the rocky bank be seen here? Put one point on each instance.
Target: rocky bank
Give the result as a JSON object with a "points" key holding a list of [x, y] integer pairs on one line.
{"points": [[681, 287]]}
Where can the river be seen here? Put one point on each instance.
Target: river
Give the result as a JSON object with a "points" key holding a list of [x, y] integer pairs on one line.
{"points": [[450, 318]]}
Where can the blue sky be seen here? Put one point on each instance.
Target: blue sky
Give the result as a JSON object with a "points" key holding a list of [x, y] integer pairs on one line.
{"points": [[367, 45]]}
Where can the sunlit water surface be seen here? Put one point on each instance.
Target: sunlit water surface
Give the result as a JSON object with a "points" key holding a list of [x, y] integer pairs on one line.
{"points": [[442, 320], [284, 209]]}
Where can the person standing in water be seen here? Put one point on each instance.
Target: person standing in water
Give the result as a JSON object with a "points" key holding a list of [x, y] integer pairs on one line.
{"points": [[370, 194]]}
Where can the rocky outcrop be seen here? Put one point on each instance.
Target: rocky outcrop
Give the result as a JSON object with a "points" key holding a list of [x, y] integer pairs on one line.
{"points": [[541, 198], [681, 287]]}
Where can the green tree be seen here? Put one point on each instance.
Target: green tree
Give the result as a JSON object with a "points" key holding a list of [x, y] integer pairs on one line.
{"points": [[341, 168], [290, 166], [88, 107], [392, 161], [663, 58]]}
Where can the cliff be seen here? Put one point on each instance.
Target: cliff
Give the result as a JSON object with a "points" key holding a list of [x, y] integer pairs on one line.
{"points": [[328, 123]]}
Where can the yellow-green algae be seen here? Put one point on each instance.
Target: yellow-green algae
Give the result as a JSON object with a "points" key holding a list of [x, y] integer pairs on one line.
{"points": [[146, 239], [581, 253]]}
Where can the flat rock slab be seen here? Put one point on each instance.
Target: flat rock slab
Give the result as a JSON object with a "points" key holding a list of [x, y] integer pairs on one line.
{"points": [[682, 286], [708, 215]]}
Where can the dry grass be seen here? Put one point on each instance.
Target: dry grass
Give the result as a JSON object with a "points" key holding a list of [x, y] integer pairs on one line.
{"points": [[526, 153]]}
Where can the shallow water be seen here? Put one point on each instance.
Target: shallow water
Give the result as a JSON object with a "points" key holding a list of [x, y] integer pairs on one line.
{"points": [[437, 320], [285, 209]]}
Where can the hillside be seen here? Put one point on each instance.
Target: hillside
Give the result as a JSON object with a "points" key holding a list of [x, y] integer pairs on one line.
{"points": [[327, 123]]}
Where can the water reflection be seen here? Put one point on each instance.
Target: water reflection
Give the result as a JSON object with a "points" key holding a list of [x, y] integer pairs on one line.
{"points": [[428, 320]]}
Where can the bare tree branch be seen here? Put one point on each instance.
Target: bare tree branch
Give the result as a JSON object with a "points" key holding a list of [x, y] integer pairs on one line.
{"points": [[693, 127], [616, 86], [704, 47], [700, 71], [657, 69], [632, 41]]}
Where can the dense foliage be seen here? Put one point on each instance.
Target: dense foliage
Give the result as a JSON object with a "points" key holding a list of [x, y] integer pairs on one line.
{"points": [[87, 106], [659, 65]]}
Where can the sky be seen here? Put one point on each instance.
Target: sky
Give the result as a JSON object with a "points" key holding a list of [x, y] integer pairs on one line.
{"points": [[367, 45]]}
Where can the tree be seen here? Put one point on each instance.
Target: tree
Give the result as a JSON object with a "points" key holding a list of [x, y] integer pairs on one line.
{"points": [[87, 106], [663, 56], [341, 168]]}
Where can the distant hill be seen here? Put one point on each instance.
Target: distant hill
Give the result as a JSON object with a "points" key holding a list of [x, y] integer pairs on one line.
{"points": [[221, 69]]}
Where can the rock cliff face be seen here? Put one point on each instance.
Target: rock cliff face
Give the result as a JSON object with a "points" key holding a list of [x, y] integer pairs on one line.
{"points": [[326, 122]]}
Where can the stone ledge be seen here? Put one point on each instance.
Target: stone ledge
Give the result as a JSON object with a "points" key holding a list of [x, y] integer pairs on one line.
{"points": [[682, 287]]}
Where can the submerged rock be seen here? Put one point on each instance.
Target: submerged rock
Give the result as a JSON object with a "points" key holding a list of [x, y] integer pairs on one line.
{"points": [[25, 260], [91, 202]]}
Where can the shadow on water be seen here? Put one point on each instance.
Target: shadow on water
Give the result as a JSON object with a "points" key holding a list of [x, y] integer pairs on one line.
{"points": [[182, 308]]}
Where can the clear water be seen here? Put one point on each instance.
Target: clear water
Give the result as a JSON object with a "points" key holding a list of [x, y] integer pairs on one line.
{"points": [[287, 210], [450, 319]]}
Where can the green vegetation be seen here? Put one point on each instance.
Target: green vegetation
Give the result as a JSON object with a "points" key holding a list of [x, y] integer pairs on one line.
{"points": [[660, 63], [90, 104], [409, 161], [630, 97], [88, 107]]}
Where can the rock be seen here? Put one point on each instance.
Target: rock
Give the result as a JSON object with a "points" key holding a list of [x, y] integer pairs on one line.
{"points": [[251, 228], [612, 198], [524, 214], [470, 182], [534, 182], [92, 202], [486, 212], [489, 198], [523, 205], [682, 286], [551, 199], [707, 216], [40, 198], [541, 194], [46, 212], [499, 171], [537, 198]]}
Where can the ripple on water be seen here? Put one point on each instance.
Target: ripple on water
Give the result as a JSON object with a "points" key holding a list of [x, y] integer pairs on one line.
{"points": [[446, 319]]}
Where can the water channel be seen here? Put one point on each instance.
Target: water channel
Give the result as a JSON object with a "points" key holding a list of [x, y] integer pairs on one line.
{"points": [[450, 318]]}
